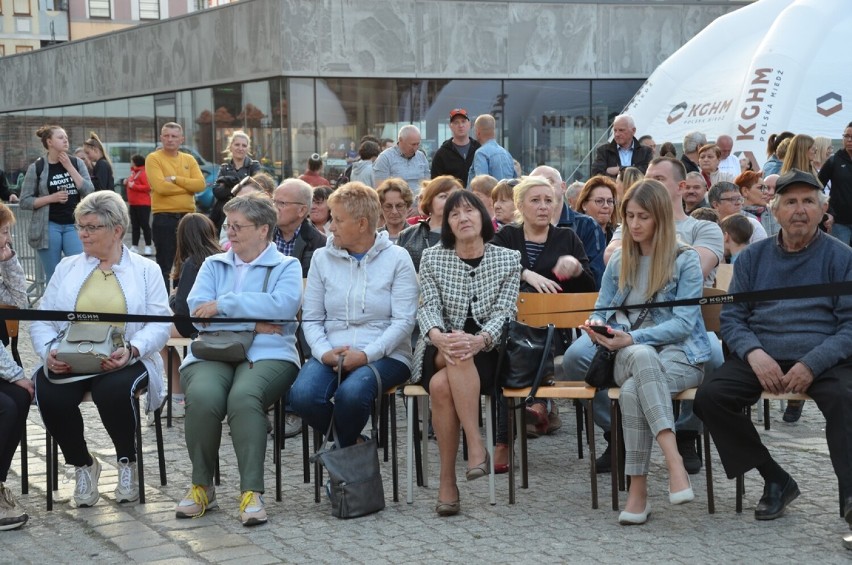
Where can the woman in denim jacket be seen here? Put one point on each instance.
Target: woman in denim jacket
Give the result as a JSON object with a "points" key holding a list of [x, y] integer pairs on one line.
{"points": [[665, 354]]}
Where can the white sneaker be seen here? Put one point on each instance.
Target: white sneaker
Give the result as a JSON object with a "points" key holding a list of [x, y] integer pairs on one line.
{"points": [[12, 516], [292, 425], [134, 249], [196, 502], [127, 489], [178, 409], [148, 251], [86, 492], [252, 511]]}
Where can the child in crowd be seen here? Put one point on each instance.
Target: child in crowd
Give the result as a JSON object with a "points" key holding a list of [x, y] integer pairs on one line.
{"points": [[737, 231]]}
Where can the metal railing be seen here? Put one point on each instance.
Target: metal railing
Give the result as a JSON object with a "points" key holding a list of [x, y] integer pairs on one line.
{"points": [[27, 256]]}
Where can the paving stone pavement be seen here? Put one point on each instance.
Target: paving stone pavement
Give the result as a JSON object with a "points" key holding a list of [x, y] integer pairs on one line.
{"points": [[552, 522]]}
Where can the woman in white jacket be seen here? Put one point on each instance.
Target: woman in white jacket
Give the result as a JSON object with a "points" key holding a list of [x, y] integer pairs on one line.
{"points": [[359, 308], [106, 278]]}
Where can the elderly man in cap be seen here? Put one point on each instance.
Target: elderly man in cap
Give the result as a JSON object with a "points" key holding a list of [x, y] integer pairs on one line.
{"points": [[803, 345], [455, 156]]}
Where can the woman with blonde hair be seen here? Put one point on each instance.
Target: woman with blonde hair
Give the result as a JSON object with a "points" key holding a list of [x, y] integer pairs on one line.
{"points": [[102, 177], [800, 155], [625, 179], [823, 149], [238, 166], [660, 351]]}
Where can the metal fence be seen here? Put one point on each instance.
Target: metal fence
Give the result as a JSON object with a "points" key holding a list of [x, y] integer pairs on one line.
{"points": [[27, 255]]}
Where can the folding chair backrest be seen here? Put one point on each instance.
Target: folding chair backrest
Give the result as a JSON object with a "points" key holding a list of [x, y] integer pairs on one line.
{"points": [[12, 328], [538, 309], [711, 312]]}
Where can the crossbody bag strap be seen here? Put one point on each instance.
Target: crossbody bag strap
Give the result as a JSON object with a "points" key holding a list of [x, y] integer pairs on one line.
{"points": [[331, 422], [374, 432], [266, 278]]}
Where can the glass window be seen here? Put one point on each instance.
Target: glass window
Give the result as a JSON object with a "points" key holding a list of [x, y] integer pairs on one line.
{"points": [[609, 98], [194, 112], [264, 118], [432, 101], [547, 123], [303, 125], [23, 48], [99, 9], [149, 9], [21, 7], [348, 109]]}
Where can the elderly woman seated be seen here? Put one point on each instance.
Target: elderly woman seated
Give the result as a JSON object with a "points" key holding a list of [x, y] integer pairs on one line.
{"points": [[360, 301], [106, 278], [251, 280]]}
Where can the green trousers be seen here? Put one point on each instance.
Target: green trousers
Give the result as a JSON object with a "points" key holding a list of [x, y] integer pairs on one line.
{"points": [[214, 390]]}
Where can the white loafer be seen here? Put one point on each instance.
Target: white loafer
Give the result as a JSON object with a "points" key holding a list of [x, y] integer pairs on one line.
{"points": [[631, 519]]}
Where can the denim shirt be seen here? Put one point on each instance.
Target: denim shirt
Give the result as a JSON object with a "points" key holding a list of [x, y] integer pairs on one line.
{"points": [[680, 324], [492, 159]]}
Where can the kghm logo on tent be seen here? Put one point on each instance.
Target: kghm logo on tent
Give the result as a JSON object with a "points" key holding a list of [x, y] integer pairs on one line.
{"points": [[702, 112], [829, 104], [761, 88]]}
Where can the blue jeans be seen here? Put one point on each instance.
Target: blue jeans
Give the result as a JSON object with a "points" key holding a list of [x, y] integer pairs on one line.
{"points": [[843, 232], [311, 395], [61, 239]]}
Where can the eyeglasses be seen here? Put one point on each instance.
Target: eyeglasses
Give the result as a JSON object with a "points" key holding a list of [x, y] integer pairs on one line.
{"points": [[283, 203], [236, 227], [847, 136], [91, 228], [246, 182], [387, 207], [604, 201], [734, 199], [761, 187], [511, 182]]}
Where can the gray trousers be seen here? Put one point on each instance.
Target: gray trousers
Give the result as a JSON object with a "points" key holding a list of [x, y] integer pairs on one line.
{"points": [[648, 378], [576, 361]]}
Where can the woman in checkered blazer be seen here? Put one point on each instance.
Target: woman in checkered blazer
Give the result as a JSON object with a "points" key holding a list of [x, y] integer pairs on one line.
{"points": [[469, 289]]}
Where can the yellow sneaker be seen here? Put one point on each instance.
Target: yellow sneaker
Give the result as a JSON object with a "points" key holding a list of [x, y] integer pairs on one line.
{"points": [[196, 502], [252, 511]]}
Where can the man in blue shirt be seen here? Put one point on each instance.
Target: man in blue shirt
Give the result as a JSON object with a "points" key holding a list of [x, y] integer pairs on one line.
{"points": [[491, 158]]}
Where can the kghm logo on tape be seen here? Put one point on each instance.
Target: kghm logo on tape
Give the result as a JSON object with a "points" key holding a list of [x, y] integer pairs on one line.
{"points": [[73, 317]]}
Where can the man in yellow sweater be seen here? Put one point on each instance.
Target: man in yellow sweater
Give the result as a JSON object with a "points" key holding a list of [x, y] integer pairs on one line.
{"points": [[174, 177]]}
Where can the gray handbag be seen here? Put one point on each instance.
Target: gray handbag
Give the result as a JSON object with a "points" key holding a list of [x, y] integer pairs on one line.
{"points": [[356, 480], [225, 346], [83, 346]]}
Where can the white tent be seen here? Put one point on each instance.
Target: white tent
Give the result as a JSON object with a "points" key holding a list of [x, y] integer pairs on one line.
{"points": [[771, 66]]}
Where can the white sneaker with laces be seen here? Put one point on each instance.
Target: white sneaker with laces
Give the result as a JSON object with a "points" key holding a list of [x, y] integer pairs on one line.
{"points": [[252, 511], [134, 249], [148, 251], [292, 425], [86, 491], [178, 409], [127, 489]]}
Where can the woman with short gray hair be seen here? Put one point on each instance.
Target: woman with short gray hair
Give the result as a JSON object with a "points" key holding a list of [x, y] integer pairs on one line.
{"points": [[251, 280], [105, 277]]}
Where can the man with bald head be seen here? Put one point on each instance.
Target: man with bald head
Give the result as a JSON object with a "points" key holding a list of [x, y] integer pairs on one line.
{"points": [[403, 160], [623, 151], [727, 162], [490, 158], [294, 235], [586, 228]]}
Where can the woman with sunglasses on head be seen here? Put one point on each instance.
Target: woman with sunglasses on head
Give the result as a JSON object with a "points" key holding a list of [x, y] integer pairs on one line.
{"points": [[598, 199], [238, 167], [53, 186], [313, 175], [102, 177]]}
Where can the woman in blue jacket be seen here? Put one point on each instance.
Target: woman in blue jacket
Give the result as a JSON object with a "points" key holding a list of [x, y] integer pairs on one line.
{"points": [[666, 351], [251, 280]]}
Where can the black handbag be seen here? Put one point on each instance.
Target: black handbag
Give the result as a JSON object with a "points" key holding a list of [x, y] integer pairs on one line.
{"points": [[526, 356], [356, 480], [601, 372]]}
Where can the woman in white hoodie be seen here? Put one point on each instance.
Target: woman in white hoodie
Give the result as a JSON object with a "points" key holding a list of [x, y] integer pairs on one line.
{"points": [[359, 310]]}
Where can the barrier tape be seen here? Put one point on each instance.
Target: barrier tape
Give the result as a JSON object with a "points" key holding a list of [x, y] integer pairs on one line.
{"points": [[843, 288]]}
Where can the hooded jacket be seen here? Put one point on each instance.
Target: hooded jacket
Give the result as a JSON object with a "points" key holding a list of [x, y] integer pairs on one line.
{"points": [[367, 304], [362, 171]]}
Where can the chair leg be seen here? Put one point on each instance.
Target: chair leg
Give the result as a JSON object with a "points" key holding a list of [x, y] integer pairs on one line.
{"points": [[140, 465], [578, 411], [711, 499], [306, 456], [424, 438], [317, 467], [414, 423], [410, 439], [394, 460], [161, 454], [511, 439], [525, 460], [25, 474], [170, 352], [217, 478], [740, 491], [766, 414], [590, 423], [277, 438], [614, 450], [489, 446], [384, 408], [51, 462]]}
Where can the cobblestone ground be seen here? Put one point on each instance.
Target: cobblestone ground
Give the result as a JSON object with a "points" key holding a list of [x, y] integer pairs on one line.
{"points": [[552, 521]]}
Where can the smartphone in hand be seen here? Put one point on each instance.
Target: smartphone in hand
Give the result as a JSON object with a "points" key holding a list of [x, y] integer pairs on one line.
{"points": [[602, 330]]}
